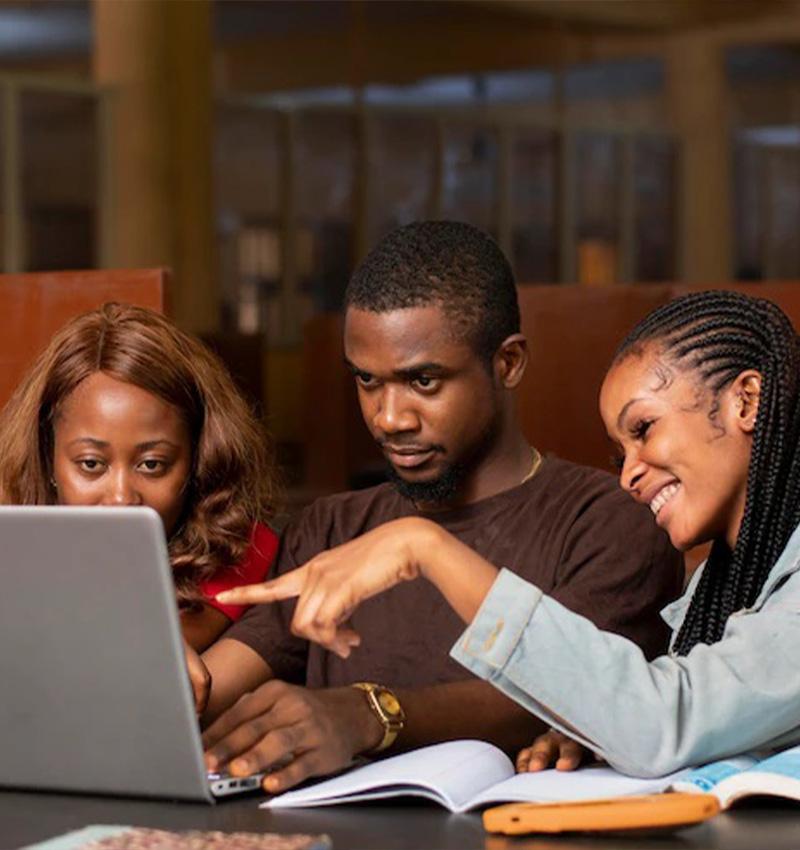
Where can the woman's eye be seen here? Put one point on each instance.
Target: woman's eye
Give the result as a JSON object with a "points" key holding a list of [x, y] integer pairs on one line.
{"points": [[152, 465], [640, 428], [90, 464]]}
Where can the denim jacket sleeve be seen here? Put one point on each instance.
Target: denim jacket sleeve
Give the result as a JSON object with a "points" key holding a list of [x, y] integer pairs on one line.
{"points": [[646, 718]]}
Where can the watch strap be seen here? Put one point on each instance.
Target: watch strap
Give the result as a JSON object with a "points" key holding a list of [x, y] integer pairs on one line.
{"points": [[386, 707]]}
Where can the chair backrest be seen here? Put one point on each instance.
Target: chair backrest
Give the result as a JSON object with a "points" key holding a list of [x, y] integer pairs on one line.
{"points": [[572, 332], [33, 306]]}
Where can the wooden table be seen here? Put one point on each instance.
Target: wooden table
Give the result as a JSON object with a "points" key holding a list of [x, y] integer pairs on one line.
{"points": [[26, 818]]}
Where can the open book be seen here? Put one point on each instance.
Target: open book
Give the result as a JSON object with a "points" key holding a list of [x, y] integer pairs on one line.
{"points": [[464, 775], [745, 776]]}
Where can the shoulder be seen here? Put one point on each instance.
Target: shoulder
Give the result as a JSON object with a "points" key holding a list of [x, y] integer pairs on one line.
{"points": [[565, 471], [577, 488], [263, 547], [332, 520], [591, 502], [254, 565]]}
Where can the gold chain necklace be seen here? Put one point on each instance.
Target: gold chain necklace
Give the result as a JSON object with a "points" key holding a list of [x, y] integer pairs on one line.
{"points": [[535, 465]]}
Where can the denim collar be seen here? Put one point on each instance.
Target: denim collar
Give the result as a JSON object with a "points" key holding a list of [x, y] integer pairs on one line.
{"points": [[787, 564]]}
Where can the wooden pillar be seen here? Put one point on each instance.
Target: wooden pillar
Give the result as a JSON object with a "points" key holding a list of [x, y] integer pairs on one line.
{"points": [[155, 58], [697, 100]]}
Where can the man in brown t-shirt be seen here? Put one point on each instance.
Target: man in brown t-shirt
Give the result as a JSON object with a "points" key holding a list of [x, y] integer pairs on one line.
{"points": [[432, 338]]}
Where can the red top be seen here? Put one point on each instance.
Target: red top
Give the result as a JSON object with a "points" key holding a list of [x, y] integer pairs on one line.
{"points": [[253, 569]]}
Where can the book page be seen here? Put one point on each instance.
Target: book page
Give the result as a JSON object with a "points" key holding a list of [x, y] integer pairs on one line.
{"points": [[450, 774], [556, 786]]}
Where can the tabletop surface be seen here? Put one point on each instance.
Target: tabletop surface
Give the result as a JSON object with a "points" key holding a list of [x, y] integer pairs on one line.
{"points": [[26, 818]]}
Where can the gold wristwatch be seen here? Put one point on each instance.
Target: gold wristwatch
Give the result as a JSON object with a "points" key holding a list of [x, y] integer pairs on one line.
{"points": [[386, 707]]}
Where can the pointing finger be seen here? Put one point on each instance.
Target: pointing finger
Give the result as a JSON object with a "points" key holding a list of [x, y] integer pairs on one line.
{"points": [[285, 587]]}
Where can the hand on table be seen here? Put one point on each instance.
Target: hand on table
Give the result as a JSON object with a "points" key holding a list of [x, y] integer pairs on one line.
{"points": [[553, 749], [295, 731], [199, 677]]}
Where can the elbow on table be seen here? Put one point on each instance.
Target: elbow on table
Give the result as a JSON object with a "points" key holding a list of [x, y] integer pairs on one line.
{"points": [[658, 754], [656, 751], [654, 769]]}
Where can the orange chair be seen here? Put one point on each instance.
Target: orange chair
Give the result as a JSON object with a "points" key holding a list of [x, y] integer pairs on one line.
{"points": [[33, 306]]}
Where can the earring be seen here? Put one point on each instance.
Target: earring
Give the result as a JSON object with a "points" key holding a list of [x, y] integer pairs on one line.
{"points": [[53, 483]]}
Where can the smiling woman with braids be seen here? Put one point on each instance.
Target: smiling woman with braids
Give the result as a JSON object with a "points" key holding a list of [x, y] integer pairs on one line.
{"points": [[123, 408], [702, 402]]}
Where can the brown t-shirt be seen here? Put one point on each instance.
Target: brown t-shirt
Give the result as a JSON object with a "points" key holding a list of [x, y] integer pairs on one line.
{"points": [[570, 531]]}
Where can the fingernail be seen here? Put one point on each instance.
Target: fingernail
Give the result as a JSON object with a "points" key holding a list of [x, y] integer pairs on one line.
{"points": [[271, 784], [241, 766], [221, 597]]}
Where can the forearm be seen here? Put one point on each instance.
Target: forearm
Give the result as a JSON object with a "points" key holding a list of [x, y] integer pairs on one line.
{"points": [[235, 669], [460, 574], [645, 718], [468, 709], [201, 628]]}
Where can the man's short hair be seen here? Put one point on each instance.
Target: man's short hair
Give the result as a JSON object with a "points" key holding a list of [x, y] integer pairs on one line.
{"points": [[446, 263]]}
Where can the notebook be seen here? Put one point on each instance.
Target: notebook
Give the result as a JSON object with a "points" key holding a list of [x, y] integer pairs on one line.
{"points": [[96, 697], [462, 776]]}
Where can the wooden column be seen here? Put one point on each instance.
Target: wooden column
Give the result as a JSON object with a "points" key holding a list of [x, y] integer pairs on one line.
{"points": [[155, 58], [697, 99]]}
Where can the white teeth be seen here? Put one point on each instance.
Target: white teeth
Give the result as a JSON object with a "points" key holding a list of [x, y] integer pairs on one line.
{"points": [[663, 496]]}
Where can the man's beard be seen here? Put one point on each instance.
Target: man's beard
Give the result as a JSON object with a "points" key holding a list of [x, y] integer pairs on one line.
{"points": [[446, 486], [439, 490]]}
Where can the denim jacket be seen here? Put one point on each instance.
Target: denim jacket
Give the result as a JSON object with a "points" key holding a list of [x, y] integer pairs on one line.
{"points": [[648, 718]]}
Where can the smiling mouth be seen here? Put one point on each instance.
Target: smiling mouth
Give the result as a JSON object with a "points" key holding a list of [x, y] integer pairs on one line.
{"points": [[663, 496]]}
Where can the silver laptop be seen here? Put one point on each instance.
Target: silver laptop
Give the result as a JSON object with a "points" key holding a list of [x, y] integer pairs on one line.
{"points": [[94, 693]]}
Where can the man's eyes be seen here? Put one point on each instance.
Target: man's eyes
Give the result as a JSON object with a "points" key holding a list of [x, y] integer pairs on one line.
{"points": [[421, 383], [364, 379], [426, 383]]}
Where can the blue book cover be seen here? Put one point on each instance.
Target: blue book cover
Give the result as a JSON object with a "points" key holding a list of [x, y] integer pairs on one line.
{"points": [[747, 775]]}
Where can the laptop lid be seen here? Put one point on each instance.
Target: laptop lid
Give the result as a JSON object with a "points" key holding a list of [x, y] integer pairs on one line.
{"points": [[95, 694]]}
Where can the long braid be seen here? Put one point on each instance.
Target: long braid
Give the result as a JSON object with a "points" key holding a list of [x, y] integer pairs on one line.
{"points": [[719, 335]]}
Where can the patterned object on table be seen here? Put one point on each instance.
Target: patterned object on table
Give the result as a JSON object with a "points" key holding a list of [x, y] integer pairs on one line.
{"points": [[138, 838], [158, 839]]}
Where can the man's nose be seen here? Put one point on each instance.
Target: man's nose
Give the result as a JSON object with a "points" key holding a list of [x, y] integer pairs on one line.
{"points": [[394, 414]]}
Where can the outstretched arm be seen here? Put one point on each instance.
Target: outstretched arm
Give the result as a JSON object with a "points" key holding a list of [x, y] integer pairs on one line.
{"points": [[330, 587], [334, 583]]}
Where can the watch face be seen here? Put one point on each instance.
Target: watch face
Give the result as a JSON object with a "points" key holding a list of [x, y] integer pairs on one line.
{"points": [[389, 703]]}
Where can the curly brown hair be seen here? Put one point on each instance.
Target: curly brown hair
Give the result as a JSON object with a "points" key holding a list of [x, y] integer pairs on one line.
{"points": [[233, 483]]}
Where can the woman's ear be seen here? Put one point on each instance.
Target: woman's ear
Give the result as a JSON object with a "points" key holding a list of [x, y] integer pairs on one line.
{"points": [[510, 360], [746, 390]]}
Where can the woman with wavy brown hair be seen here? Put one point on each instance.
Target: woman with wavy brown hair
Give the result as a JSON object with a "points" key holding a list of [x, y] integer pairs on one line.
{"points": [[123, 408]]}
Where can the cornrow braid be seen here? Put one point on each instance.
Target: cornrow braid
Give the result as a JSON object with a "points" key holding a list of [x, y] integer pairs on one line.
{"points": [[719, 335]]}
